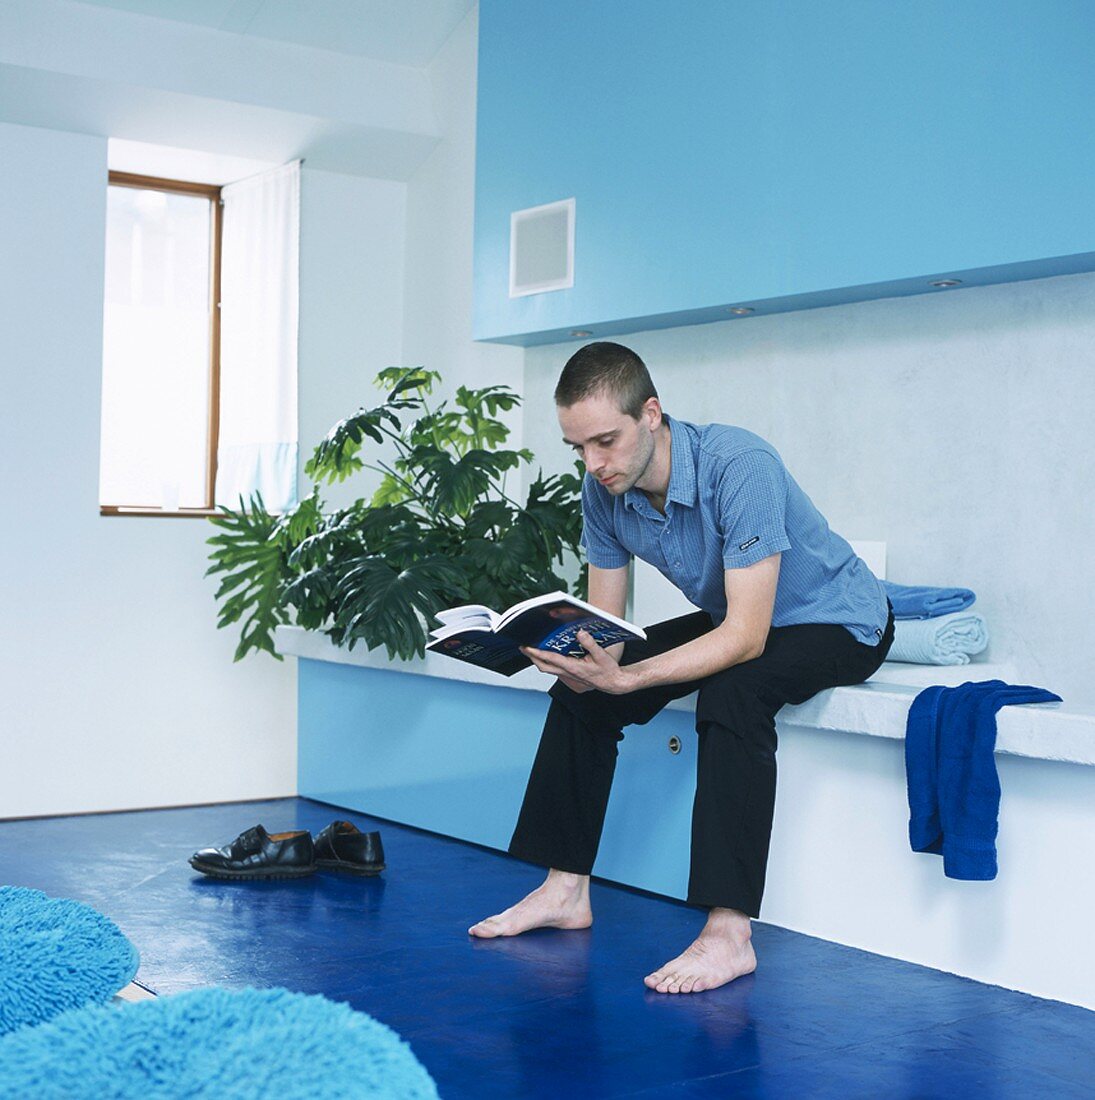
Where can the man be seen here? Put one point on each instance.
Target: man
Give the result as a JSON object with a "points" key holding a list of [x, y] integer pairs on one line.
{"points": [[787, 610]]}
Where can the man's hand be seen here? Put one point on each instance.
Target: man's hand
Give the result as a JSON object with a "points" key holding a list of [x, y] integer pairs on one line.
{"points": [[599, 670]]}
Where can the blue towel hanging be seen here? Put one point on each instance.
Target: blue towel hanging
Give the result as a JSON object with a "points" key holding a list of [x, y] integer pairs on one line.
{"points": [[950, 767]]}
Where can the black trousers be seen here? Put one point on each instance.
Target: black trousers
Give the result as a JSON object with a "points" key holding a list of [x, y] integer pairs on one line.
{"points": [[564, 807]]}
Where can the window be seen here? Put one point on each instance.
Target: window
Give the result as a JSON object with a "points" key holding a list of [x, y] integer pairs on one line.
{"points": [[200, 344], [161, 347]]}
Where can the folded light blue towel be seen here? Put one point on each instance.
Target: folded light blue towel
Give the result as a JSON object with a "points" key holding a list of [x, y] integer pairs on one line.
{"points": [[914, 601], [947, 640], [950, 767]]}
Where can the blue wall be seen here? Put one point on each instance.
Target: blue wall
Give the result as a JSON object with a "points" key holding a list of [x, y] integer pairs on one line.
{"points": [[455, 757], [784, 154]]}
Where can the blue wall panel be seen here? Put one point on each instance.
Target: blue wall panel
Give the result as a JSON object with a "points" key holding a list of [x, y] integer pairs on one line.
{"points": [[454, 758], [783, 154]]}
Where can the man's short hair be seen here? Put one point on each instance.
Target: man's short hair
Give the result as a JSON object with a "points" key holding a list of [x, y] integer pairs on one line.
{"points": [[606, 369]]}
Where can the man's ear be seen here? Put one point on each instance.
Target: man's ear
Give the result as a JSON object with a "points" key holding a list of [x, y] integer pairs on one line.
{"points": [[652, 413]]}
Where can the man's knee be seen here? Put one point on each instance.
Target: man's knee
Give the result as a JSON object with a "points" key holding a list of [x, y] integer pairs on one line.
{"points": [[595, 711], [735, 702]]}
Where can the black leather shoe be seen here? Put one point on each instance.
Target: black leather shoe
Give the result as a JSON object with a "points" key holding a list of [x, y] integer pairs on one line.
{"points": [[342, 846], [259, 854]]}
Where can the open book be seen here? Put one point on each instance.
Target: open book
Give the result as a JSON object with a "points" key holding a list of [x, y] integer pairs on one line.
{"points": [[483, 637]]}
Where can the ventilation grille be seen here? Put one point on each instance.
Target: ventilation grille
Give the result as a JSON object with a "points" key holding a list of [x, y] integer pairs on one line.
{"points": [[541, 248]]}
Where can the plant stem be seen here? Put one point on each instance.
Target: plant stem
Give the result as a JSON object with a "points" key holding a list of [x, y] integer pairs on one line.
{"points": [[384, 468]]}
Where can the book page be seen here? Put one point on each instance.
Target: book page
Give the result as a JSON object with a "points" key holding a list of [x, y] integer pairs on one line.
{"points": [[460, 628], [563, 600], [470, 614], [518, 608]]}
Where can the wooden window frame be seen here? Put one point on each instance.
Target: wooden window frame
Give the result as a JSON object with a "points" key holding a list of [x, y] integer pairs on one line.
{"points": [[213, 193]]}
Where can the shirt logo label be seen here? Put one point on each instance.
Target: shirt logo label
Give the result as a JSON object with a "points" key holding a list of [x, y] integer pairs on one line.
{"points": [[750, 542]]}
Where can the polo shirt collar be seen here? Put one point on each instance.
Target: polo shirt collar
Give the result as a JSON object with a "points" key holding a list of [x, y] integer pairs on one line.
{"points": [[682, 470], [682, 465]]}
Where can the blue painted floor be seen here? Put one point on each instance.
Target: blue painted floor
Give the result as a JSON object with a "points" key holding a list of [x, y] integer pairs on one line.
{"points": [[548, 1014]]}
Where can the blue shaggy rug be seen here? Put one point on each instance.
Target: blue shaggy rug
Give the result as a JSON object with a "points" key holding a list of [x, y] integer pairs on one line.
{"points": [[245, 1044], [56, 954]]}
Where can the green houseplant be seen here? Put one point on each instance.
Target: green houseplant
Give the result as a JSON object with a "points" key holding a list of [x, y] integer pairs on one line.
{"points": [[440, 530]]}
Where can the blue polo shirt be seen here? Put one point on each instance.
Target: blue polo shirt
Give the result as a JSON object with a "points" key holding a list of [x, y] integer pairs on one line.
{"points": [[730, 503]]}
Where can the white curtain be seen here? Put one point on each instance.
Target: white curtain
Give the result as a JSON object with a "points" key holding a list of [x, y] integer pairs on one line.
{"points": [[259, 297]]}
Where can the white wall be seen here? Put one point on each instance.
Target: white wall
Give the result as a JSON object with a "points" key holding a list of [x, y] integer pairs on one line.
{"points": [[72, 66], [117, 689], [351, 304], [955, 426], [386, 273], [841, 867], [440, 217]]}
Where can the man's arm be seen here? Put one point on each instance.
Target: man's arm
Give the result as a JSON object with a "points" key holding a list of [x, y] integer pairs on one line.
{"points": [[608, 589], [750, 598]]}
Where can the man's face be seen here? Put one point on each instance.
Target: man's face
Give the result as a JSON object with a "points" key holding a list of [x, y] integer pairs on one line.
{"points": [[616, 450]]}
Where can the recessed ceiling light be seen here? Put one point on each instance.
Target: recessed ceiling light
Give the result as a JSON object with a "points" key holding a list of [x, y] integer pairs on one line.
{"points": [[581, 333], [742, 311], [946, 282]]}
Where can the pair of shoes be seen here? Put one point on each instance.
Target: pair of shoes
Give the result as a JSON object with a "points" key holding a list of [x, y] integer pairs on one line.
{"points": [[257, 854]]}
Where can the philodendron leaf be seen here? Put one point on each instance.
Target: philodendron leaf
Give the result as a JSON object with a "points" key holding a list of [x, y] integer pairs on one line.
{"points": [[378, 526], [439, 429], [480, 407], [251, 549], [311, 596], [486, 557], [485, 432], [335, 533], [303, 519], [402, 379], [489, 517], [386, 606], [551, 505], [492, 398], [391, 491], [336, 457], [455, 485]]}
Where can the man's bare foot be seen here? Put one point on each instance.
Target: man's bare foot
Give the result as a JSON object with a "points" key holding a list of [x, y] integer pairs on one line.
{"points": [[561, 902], [721, 953]]}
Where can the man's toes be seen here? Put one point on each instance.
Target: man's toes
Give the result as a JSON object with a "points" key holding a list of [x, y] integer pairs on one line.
{"points": [[689, 983]]}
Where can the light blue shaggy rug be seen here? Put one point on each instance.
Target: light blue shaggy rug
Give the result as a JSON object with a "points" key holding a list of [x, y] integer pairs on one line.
{"points": [[56, 954], [246, 1044]]}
